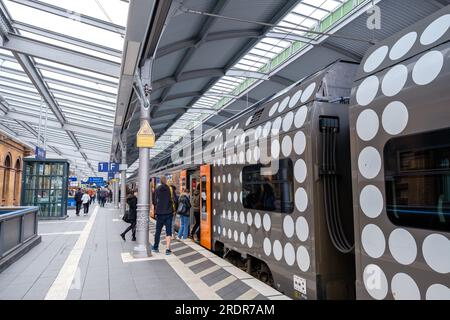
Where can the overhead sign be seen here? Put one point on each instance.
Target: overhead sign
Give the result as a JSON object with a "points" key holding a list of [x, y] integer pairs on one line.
{"points": [[39, 153], [145, 137], [111, 175], [114, 167], [73, 178], [103, 166], [96, 180]]}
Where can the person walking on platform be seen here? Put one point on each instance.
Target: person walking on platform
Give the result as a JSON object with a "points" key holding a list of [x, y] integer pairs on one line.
{"points": [[91, 195], [110, 196], [184, 209], [104, 195], [164, 214], [196, 207], [174, 198], [132, 216], [86, 199], [78, 202]]}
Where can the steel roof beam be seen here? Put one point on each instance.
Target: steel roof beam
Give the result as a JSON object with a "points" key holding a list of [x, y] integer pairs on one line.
{"points": [[30, 129], [204, 30], [186, 76], [71, 15], [345, 52], [289, 37], [216, 36], [66, 38], [158, 102], [39, 49], [247, 74], [289, 5], [281, 80], [41, 87]]}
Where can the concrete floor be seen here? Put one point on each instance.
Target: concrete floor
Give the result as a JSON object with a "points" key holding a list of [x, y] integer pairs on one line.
{"points": [[85, 258]]}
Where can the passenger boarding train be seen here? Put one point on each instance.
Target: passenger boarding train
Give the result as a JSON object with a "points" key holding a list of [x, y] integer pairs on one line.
{"points": [[360, 205]]}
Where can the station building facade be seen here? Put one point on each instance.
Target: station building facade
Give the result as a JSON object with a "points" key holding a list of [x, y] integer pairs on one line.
{"points": [[11, 166]]}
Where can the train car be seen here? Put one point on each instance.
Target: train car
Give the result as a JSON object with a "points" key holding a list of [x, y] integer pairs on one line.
{"points": [[339, 186], [400, 140], [278, 225]]}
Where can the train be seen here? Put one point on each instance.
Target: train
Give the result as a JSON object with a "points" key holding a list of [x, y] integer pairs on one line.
{"points": [[338, 187]]}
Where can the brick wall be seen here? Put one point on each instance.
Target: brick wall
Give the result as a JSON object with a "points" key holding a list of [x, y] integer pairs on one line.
{"points": [[12, 152]]}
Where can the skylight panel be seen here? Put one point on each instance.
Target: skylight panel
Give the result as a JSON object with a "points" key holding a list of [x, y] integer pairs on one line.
{"points": [[8, 92], [70, 27], [70, 46], [100, 9], [77, 91], [8, 75], [263, 53], [75, 70], [74, 80]]}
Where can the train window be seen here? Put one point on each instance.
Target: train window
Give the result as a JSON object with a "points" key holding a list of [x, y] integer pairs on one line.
{"points": [[268, 192], [203, 198], [417, 175]]}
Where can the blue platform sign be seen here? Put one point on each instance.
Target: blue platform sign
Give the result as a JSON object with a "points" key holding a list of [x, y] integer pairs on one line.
{"points": [[114, 167], [96, 180], [111, 175], [103, 166], [39, 153], [73, 178]]}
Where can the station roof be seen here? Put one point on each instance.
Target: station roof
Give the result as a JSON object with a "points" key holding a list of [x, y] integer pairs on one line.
{"points": [[60, 61], [74, 63], [215, 59]]}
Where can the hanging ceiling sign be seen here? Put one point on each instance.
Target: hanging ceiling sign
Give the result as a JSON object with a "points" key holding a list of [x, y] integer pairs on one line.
{"points": [[103, 166], [39, 153], [145, 137]]}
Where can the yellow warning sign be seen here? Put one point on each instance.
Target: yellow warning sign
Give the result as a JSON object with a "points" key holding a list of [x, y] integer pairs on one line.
{"points": [[145, 136]]}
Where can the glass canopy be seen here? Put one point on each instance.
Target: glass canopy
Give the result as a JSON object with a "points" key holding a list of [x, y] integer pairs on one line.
{"points": [[85, 100]]}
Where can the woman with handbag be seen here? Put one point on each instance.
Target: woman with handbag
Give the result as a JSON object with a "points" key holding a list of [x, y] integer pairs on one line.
{"points": [[184, 209], [130, 216]]}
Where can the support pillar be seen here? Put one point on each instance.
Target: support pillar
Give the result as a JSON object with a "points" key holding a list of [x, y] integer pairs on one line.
{"points": [[116, 192], [123, 174], [142, 248]]}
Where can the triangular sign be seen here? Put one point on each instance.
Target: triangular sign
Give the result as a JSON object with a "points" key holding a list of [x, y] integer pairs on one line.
{"points": [[145, 129], [145, 137]]}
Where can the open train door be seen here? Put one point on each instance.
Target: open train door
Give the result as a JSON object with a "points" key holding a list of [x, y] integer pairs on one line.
{"points": [[205, 206], [183, 179], [152, 190], [194, 178]]}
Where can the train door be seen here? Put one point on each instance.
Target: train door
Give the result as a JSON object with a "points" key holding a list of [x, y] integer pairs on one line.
{"points": [[152, 190], [194, 178], [183, 180], [205, 206]]}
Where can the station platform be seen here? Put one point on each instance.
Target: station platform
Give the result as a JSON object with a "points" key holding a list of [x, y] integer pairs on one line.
{"points": [[85, 258]]}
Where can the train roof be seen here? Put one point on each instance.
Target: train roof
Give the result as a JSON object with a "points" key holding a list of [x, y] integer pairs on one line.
{"points": [[422, 36]]}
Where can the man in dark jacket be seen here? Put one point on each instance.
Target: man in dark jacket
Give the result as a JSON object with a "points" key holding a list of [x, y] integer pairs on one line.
{"points": [[132, 216], [78, 201], [164, 209]]}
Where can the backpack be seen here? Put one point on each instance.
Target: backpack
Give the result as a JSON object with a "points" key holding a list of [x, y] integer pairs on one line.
{"points": [[183, 206]]}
